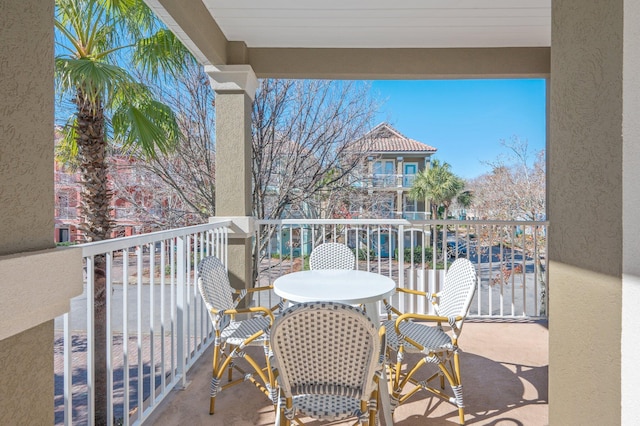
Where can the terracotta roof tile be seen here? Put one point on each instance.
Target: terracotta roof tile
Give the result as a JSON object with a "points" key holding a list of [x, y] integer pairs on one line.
{"points": [[384, 138]]}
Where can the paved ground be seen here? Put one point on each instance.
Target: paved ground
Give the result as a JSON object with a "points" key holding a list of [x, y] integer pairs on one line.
{"points": [[505, 377], [79, 377]]}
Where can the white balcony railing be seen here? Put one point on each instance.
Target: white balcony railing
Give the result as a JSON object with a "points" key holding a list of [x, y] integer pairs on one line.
{"points": [[156, 323], [510, 257], [416, 215], [384, 180]]}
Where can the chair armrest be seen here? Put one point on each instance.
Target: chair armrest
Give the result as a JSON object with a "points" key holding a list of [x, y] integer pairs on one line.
{"points": [[391, 309], [253, 309], [424, 317], [246, 291], [254, 289], [408, 291], [421, 317]]}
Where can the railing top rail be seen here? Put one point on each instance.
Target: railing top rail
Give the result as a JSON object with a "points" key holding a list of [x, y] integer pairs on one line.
{"points": [[480, 222], [405, 222], [100, 247], [333, 221]]}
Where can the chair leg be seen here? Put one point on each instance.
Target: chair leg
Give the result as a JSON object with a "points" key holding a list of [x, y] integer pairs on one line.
{"points": [[215, 386], [230, 369], [212, 405], [453, 377], [364, 419], [458, 389]]}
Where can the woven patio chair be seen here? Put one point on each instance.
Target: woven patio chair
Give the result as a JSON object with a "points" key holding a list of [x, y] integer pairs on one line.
{"points": [[332, 256], [410, 333], [329, 357], [232, 336]]}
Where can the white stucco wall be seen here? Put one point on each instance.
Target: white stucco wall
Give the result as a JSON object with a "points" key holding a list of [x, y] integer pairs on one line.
{"points": [[631, 215]]}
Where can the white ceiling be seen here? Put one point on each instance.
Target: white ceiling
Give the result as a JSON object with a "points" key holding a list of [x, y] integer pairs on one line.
{"points": [[384, 23]]}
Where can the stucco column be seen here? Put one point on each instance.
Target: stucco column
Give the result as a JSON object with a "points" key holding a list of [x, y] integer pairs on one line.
{"points": [[36, 280], [235, 87], [594, 200]]}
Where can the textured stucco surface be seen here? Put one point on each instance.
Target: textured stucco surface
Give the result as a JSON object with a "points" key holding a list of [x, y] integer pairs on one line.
{"points": [[33, 295], [584, 341], [585, 158], [26, 382], [233, 171], [585, 211], [233, 154], [26, 204], [26, 125]]}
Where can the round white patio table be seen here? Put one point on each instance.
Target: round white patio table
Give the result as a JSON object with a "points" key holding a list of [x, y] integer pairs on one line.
{"points": [[346, 286], [332, 285]]}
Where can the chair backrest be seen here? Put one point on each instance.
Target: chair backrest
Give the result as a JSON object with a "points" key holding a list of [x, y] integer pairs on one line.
{"points": [[332, 256], [458, 290], [214, 286], [326, 348]]}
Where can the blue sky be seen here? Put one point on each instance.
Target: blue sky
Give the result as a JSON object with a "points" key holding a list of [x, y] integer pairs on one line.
{"points": [[466, 119]]}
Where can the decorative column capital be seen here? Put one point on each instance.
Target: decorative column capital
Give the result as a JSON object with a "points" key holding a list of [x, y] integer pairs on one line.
{"points": [[233, 78]]}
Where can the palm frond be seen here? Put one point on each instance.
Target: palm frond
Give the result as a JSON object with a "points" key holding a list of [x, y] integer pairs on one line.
{"points": [[146, 127], [97, 80], [131, 92], [161, 54]]}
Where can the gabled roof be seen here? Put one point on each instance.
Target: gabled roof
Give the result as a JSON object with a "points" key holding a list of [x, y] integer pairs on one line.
{"points": [[384, 138]]}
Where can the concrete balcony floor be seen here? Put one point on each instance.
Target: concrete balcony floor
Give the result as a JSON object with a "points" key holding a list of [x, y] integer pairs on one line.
{"points": [[504, 370]]}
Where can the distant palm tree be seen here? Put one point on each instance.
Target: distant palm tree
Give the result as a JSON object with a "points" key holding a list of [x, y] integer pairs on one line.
{"points": [[438, 185], [465, 199], [112, 108]]}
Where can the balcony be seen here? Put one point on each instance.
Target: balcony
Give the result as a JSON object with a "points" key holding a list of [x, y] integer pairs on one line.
{"points": [[415, 215], [159, 335], [66, 212], [388, 181]]}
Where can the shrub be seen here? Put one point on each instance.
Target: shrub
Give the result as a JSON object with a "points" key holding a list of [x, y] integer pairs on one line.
{"points": [[361, 254], [416, 254]]}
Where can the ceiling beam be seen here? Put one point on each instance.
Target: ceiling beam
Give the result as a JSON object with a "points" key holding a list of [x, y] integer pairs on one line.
{"points": [[411, 64]]}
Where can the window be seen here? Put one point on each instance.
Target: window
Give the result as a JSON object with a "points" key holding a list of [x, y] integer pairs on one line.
{"points": [[410, 170], [384, 173], [63, 235]]}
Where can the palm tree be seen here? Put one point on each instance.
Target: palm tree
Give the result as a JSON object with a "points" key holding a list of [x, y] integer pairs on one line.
{"points": [[465, 199], [92, 38], [438, 185], [111, 109]]}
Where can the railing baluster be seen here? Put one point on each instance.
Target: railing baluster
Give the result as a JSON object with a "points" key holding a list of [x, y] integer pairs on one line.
{"points": [[91, 372], [152, 329], [139, 259], [163, 301], [172, 311], [68, 369], [181, 311], [125, 335]]}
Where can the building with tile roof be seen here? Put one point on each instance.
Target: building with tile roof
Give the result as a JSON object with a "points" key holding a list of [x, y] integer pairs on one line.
{"points": [[392, 162]]}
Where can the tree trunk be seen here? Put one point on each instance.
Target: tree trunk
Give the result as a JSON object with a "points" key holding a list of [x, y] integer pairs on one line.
{"points": [[95, 222]]}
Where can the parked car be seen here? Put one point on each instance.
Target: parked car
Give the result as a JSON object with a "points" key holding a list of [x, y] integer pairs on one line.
{"points": [[456, 248]]}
